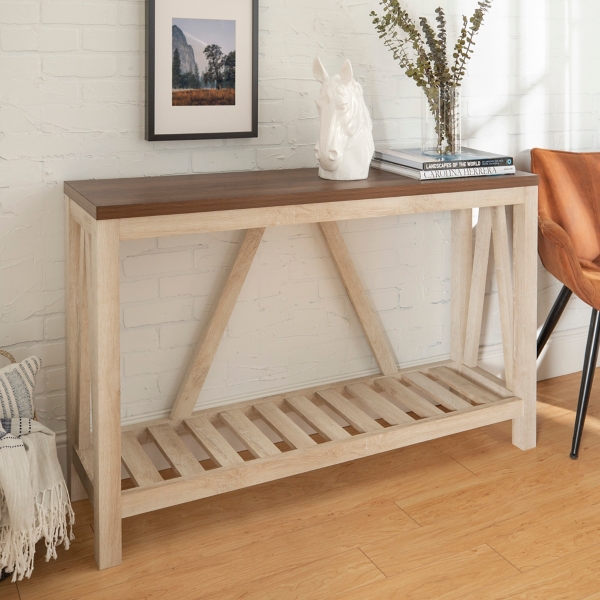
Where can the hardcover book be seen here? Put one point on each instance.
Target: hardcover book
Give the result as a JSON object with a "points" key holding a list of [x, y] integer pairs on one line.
{"points": [[467, 159], [448, 173]]}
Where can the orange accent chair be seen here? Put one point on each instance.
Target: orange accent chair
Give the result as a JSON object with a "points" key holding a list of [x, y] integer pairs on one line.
{"points": [[569, 246]]}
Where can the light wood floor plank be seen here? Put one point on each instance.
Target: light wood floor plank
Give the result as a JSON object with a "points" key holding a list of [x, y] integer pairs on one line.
{"points": [[551, 539], [448, 579], [449, 513], [304, 502], [592, 597], [315, 581], [443, 539], [9, 591], [571, 578], [153, 567], [489, 494]]}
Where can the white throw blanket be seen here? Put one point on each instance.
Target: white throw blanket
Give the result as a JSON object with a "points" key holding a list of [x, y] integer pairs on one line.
{"points": [[34, 501]]}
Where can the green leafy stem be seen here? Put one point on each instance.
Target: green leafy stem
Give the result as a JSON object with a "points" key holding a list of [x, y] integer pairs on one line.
{"points": [[423, 55]]}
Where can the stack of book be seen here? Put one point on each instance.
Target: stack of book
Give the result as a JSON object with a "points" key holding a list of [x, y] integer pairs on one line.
{"points": [[469, 163]]}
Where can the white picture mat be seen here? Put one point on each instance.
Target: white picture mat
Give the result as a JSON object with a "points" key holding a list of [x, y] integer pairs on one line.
{"points": [[169, 119]]}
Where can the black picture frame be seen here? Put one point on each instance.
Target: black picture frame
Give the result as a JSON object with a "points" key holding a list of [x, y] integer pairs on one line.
{"points": [[151, 136]]}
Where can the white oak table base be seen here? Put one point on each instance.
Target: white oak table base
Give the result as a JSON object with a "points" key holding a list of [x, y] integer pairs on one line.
{"points": [[312, 428]]}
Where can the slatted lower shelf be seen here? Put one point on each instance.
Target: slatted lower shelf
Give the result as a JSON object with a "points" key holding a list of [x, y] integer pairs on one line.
{"points": [[270, 438]]}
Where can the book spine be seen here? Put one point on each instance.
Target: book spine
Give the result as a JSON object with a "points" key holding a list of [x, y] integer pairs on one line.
{"points": [[397, 170], [400, 162], [504, 161], [470, 172]]}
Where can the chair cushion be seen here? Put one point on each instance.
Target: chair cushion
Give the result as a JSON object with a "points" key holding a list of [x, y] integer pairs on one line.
{"points": [[569, 195], [17, 384], [569, 219]]}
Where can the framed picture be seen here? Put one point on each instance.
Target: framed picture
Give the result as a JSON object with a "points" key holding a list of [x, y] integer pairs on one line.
{"points": [[201, 69]]}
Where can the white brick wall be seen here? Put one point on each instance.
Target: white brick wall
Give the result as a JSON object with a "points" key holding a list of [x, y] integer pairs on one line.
{"points": [[71, 107]]}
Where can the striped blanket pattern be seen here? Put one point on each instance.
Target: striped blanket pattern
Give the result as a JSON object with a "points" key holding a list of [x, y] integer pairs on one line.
{"points": [[17, 383]]}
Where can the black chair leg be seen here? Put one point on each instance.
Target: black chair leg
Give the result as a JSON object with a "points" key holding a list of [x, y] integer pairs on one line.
{"points": [[553, 317], [587, 379]]}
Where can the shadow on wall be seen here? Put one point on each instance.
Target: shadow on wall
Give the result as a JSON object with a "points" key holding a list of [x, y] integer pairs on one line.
{"points": [[544, 97]]}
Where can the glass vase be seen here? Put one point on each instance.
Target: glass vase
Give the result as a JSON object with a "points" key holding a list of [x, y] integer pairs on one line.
{"points": [[440, 121]]}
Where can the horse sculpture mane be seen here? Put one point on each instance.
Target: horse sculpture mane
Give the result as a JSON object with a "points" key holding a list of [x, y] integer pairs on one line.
{"points": [[345, 145]]}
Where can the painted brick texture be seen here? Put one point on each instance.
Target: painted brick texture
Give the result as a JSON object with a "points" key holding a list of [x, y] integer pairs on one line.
{"points": [[72, 105]]}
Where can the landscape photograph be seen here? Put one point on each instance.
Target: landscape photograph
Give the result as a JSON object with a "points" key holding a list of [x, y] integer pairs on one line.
{"points": [[203, 59]]}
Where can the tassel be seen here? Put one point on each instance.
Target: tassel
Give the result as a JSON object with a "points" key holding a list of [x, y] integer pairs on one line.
{"points": [[54, 520]]}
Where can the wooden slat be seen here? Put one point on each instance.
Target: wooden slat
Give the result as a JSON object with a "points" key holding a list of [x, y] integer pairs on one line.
{"points": [[291, 434], [505, 288], [254, 439], [378, 404], [136, 461], [208, 344], [360, 301], [317, 419], [463, 386], [83, 476], [87, 460], [408, 398], [478, 280], [348, 411], [462, 269], [213, 442], [247, 406], [180, 457], [436, 391], [484, 380], [218, 481]]}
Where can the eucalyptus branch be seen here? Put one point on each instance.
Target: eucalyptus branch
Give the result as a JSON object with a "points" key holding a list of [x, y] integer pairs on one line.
{"points": [[437, 51], [443, 40], [423, 55], [428, 66], [419, 68], [464, 46]]}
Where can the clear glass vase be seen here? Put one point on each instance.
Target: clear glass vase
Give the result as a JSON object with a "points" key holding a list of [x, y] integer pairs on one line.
{"points": [[440, 121]]}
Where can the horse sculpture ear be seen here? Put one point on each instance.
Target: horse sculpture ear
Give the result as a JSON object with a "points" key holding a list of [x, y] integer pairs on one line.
{"points": [[346, 74], [319, 71]]}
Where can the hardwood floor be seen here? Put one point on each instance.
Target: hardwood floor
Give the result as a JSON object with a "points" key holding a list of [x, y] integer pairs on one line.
{"points": [[466, 517]]}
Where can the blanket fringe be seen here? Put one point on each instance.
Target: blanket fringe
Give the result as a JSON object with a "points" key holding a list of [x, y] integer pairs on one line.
{"points": [[54, 520]]}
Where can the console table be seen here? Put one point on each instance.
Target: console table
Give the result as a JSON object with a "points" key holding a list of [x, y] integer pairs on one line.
{"points": [[375, 414]]}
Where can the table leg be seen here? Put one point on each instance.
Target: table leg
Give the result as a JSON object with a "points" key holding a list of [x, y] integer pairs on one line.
{"points": [[462, 267], [106, 393], [525, 316], [73, 232]]}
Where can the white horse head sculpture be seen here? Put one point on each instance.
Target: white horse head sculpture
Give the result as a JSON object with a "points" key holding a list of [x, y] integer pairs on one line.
{"points": [[345, 147]]}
